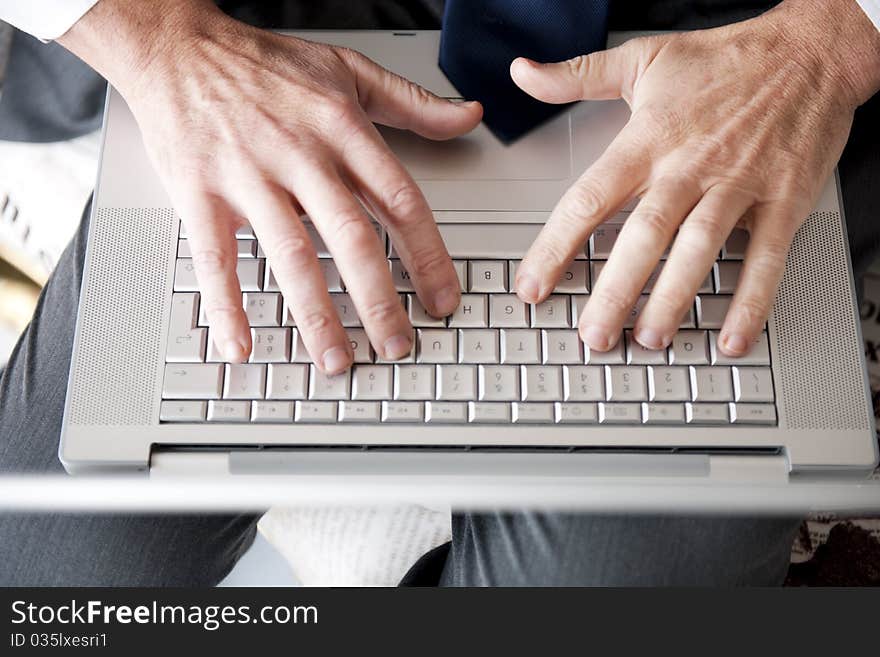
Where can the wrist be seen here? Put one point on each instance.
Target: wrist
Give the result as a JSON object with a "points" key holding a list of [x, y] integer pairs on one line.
{"points": [[124, 40], [840, 42]]}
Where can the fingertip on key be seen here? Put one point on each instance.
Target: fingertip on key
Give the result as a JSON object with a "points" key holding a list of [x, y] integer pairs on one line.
{"points": [[235, 351], [397, 346], [527, 288], [336, 360], [651, 339], [446, 300], [734, 344], [595, 338]]}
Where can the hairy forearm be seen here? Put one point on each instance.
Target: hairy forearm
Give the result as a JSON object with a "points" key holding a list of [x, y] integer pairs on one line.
{"points": [[121, 39]]}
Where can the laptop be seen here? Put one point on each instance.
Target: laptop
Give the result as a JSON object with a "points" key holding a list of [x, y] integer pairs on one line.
{"points": [[498, 387]]}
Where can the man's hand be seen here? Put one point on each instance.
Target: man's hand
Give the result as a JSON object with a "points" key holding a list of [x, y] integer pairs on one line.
{"points": [[246, 125], [736, 125]]}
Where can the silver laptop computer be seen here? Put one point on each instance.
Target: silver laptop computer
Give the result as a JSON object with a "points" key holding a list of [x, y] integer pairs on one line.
{"points": [[497, 385]]}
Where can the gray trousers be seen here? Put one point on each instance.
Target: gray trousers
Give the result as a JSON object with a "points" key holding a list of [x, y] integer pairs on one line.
{"points": [[487, 549]]}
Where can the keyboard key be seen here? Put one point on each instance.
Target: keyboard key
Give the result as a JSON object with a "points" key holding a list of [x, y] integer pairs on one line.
{"points": [[711, 384], [602, 241], [635, 311], [185, 276], [735, 246], [244, 381], [752, 384], [398, 411], [446, 412], [229, 411], [437, 346], [325, 386], [287, 381], [487, 276], [263, 308], [712, 309], [561, 347], [533, 413], [270, 345], [574, 279], [489, 413], [620, 413], [472, 312], [250, 274], [667, 384], [663, 413], [689, 348], [418, 316], [478, 346], [331, 276], [541, 383], [753, 413], [186, 381], [358, 411], [520, 346], [360, 345], [460, 267], [577, 413], [457, 382], [759, 354], [614, 356], [578, 303], [272, 411], [372, 382], [507, 311], [726, 274], [626, 384], [316, 412], [584, 383], [187, 346], [636, 354], [182, 411], [184, 311], [298, 353], [706, 413], [412, 382], [499, 383], [401, 278], [348, 316], [551, 313]]}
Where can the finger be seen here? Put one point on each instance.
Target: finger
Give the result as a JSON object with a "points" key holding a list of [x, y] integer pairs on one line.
{"points": [[211, 236], [601, 75], [392, 100], [602, 189], [773, 230], [645, 235], [359, 255], [694, 251], [393, 196], [293, 259]]}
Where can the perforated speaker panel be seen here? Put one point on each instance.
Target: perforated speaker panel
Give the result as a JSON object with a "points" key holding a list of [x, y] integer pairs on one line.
{"points": [[121, 327], [819, 363]]}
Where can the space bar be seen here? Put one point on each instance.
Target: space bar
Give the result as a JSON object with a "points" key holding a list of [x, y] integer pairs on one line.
{"points": [[493, 241]]}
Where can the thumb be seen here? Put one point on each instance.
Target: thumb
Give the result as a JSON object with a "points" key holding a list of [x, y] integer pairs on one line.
{"points": [[392, 100], [602, 75]]}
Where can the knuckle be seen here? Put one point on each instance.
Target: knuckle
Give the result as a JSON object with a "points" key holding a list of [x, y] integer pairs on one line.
{"points": [[617, 301], [701, 231], [670, 302], [355, 231], [404, 203], [653, 220], [380, 310], [548, 252], [583, 201], [315, 323], [752, 310], [222, 307], [577, 66], [293, 251], [426, 263], [213, 261]]}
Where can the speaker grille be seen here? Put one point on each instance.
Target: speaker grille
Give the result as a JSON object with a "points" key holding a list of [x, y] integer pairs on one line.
{"points": [[820, 351], [121, 323]]}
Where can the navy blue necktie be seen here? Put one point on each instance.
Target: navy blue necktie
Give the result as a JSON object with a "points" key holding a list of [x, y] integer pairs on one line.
{"points": [[481, 37]]}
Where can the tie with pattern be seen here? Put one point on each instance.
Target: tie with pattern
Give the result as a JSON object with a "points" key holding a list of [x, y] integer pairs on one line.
{"points": [[481, 37]]}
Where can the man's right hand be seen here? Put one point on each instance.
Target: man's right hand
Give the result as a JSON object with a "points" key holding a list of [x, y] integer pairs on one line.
{"points": [[243, 124]]}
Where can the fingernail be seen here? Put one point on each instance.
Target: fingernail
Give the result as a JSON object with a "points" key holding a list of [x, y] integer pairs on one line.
{"points": [[735, 344], [446, 300], [336, 359], [234, 351], [650, 339], [527, 287], [397, 346], [595, 338]]}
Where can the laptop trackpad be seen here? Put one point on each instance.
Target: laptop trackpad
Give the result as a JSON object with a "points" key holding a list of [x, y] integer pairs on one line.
{"points": [[543, 154]]}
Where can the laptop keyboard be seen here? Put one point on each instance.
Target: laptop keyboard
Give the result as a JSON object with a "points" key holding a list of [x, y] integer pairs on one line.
{"points": [[496, 360]]}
